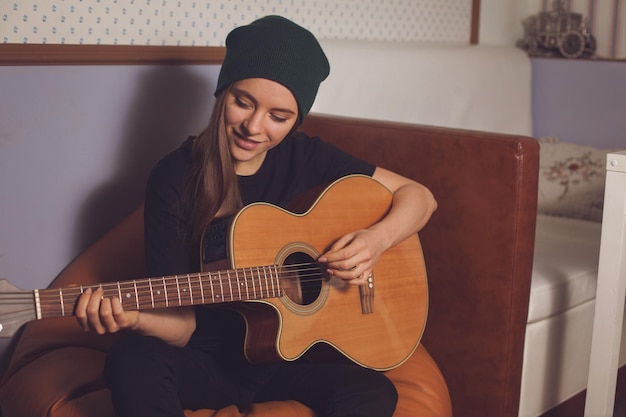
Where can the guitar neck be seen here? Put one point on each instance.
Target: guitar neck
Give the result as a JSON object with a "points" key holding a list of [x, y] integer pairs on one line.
{"points": [[172, 291]]}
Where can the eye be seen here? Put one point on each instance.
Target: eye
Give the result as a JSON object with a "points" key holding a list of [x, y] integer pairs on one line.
{"points": [[279, 119], [242, 103]]}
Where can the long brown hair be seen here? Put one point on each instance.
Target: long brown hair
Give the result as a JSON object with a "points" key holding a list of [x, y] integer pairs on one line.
{"points": [[213, 189]]}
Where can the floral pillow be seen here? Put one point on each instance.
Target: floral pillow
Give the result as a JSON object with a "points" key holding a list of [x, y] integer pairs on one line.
{"points": [[571, 179]]}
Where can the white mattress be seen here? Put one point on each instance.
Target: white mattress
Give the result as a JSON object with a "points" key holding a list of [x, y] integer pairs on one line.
{"points": [[561, 310], [565, 266]]}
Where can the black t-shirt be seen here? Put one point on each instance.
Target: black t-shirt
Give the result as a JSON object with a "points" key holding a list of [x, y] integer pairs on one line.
{"points": [[299, 163]]}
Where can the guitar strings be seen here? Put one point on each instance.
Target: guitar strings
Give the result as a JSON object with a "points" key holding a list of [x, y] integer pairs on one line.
{"points": [[218, 276]]}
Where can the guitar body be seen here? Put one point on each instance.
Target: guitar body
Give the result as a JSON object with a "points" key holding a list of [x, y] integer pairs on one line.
{"points": [[377, 326]]}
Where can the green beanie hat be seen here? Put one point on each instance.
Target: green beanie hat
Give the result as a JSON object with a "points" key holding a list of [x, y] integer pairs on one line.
{"points": [[277, 49]]}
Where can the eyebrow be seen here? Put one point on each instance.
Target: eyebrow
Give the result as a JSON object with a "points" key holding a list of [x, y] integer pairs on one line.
{"points": [[253, 99]]}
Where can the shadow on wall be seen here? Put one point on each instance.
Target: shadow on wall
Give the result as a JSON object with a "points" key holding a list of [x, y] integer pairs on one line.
{"points": [[171, 103]]}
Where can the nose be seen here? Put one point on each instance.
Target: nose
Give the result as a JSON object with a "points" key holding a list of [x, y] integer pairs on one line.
{"points": [[253, 124]]}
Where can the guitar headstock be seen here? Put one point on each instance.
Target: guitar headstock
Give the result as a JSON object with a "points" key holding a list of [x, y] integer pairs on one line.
{"points": [[17, 307]]}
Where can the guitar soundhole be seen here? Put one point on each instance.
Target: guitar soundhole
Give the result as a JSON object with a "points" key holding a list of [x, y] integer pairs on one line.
{"points": [[303, 278]]}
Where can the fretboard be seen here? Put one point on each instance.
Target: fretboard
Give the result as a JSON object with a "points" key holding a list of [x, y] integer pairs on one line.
{"points": [[171, 291]]}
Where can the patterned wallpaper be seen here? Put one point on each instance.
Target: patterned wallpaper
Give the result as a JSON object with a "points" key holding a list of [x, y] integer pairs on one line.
{"points": [[206, 23]]}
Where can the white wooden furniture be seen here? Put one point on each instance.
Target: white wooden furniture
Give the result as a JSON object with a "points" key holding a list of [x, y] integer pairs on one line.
{"points": [[611, 290]]}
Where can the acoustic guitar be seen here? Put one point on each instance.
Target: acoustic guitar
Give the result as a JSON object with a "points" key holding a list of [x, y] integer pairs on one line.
{"points": [[287, 299]]}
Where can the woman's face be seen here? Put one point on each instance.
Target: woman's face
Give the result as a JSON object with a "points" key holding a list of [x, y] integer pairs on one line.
{"points": [[259, 113]]}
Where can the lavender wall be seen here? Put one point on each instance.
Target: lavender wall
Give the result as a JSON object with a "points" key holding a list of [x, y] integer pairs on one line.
{"points": [[76, 145], [581, 101]]}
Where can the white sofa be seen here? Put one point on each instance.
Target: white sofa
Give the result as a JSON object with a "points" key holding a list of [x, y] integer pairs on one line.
{"points": [[486, 88]]}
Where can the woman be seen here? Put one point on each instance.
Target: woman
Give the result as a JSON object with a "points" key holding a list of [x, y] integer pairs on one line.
{"points": [[190, 358]]}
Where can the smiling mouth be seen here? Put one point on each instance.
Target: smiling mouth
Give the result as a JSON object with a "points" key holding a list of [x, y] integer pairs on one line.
{"points": [[245, 142]]}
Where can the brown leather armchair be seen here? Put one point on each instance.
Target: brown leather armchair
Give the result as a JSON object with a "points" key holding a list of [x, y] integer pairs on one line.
{"points": [[478, 251]]}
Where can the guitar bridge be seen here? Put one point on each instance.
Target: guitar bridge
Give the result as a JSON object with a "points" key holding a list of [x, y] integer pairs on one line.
{"points": [[366, 292]]}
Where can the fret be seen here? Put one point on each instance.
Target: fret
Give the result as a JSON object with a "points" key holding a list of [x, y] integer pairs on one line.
{"points": [[253, 286], [221, 294], [190, 290], [230, 286], [151, 293], [272, 279], [201, 288], [119, 291], [245, 281], [267, 284], [238, 283], [258, 272], [211, 285], [278, 289], [180, 302], [136, 294], [264, 277], [167, 301]]}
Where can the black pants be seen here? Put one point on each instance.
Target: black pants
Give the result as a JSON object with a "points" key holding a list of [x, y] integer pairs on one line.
{"points": [[148, 377]]}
